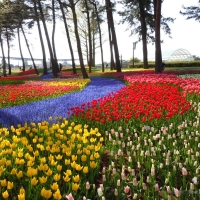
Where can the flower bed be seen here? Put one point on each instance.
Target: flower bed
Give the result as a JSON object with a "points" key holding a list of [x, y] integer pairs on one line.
{"points": [[39, 161], [144, 140], [37, 90]]}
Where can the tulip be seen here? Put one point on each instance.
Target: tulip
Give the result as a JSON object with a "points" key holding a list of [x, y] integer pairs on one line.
{"points": [[116, 192], [3, 183], [70, 197], [21, 196], [85, 170], [56, 177], [87, 185], [177, 192], [43, 179], [184, 171], [66, 178], [76, 178], [34, 181], [54, 186], [127, 189], [10, 185], [57, 195], [135, 196], [75, 186], [100, 192], [5, 194]]}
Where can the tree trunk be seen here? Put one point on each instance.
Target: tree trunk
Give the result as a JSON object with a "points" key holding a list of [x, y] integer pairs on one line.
{"points": [[8, 44], [20, 50], [86, 46], [93, 48], [114, 39], [158, 54], [84, 73], [68, 37], [3, 54], [41, 40], [100, 39], [29, 51], [55, 67], [144, 35], [53, 31], [89, 37]]}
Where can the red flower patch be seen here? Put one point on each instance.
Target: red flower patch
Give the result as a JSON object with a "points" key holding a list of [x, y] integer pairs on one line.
{"points": [[146, 101]]}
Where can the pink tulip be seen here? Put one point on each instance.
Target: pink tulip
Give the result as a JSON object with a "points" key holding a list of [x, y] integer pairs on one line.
{"points": [[70, 197]]}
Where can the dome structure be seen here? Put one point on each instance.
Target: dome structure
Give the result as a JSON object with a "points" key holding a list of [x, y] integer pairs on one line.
{"points": [[178, 55], [173, 56]]}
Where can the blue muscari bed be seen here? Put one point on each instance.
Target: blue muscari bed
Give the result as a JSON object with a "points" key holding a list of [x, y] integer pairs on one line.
{"points": [[42, 110]]}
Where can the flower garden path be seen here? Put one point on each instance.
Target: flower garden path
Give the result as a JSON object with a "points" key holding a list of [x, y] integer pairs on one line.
{"points": [[42, 110]]}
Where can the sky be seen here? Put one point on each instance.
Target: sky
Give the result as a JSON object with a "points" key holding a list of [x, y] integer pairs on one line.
{"points": [[184, 33]]}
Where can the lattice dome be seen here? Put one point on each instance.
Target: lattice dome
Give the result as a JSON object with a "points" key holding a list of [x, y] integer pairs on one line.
{"points": [[178, 55], [173, 55]]}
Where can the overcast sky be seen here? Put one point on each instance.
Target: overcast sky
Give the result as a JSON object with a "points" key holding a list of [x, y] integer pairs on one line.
{"points": [[185, 34]]}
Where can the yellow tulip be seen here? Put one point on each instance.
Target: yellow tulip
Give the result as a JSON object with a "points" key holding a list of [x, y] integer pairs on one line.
{"points": [[54, 186], [21, 196], [96, 155], [13, 171], [53, 162], [5, 194], [3, 183], [76, 178], [73, 165], [79, 146], [48, 148], [19, 174], [83, 158], [79, 167], [67, 162], [85, 170], [8, 162], [68, 172], [10, 185], [49, 172], [34, 181], [75, 186], [57, 195], [68, 153], [93, 164], [42, 193], [87, 152], [72, 124], [59, 167], [46, 167], [40, 167], [66, 178], [92, 157], [56, 177], [74, 158], [21, 161], [22, 190], [2, 169], [36, 153], [43, 179], [97, 148], [79, 152], [30, 163], [58, 157], [20, 154], [46, 193]]}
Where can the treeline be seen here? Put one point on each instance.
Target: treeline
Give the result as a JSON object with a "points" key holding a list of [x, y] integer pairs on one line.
{"points": [[82, 20]]}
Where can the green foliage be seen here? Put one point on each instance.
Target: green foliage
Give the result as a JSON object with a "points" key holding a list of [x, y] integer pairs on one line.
{"points": [[11, 82], [169, 64], [136, 60]]}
